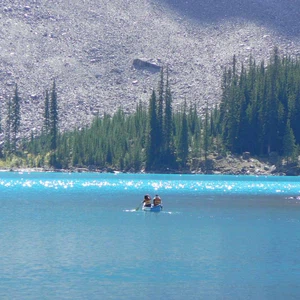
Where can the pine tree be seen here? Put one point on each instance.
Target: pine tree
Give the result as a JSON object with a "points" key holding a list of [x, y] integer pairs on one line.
{"points": [[206, 134], [1, 122], [46, 125], [195, 131], [272, 103], [160, 119], [15, 118], [53, 118], [1, 131], [289, 145], [183, 140], [8, 121], [169, 155], [151, 152]]}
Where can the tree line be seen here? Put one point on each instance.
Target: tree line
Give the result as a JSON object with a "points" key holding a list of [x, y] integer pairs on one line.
{"points": [[153, 138], [258, 113], [260, 107]]}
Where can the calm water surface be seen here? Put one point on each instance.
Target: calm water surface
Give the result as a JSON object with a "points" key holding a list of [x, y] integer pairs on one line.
{"points": [[78, 236]]}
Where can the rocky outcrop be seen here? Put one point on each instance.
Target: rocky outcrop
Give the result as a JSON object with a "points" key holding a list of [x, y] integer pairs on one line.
{"points": [[237, 165], [145, 65]]}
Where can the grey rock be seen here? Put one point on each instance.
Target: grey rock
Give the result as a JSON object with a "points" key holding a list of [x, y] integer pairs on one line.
{"points": [[246, 155], [144, 64]]}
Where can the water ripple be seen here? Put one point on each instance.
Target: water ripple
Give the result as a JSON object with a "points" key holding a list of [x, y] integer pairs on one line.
{"points": [[134, 182]]}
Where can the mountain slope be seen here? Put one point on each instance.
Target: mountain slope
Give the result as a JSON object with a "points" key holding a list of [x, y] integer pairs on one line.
{"points": [[89, 47]]}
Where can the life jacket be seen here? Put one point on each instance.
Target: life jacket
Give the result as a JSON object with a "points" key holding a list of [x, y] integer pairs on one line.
{"points": [[147, 201], [157, 201]]}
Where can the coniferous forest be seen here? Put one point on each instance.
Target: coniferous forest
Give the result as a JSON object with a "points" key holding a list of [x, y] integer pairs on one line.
{"points": [[259, 113]]}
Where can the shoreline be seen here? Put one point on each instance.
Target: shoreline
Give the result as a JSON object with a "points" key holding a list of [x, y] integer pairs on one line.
{"points": [[214, 165]]}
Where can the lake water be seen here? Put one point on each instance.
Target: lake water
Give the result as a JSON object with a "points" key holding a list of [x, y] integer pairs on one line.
{"points": [[78, 236]]}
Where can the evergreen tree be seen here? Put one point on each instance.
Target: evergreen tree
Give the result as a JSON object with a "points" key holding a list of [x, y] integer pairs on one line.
{"points": [[192, 119], [53, 118], [160, 119], [289, 145], [272, 105], [230, 107], [256, 104], [261, 111], [206, 134], [169, 151], [1, 131], [183, 141], [46, 125], [8, 122], [15, 118], [151, 153], [195, 131]]}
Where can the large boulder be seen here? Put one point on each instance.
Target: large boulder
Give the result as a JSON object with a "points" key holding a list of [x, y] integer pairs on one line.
{"points": [[139, 63]]}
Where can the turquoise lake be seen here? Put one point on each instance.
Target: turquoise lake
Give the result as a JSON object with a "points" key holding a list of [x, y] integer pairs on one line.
{"points": [[79, 236]]}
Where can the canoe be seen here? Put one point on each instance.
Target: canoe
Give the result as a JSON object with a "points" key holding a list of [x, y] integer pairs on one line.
{"points": [[156, 208]]}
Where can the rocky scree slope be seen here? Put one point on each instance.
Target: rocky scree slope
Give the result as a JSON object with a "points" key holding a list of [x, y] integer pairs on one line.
{"points": [[106, 54]]}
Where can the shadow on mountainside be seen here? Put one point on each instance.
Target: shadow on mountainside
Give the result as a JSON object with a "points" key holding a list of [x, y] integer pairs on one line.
{"points": [[282, 16]]}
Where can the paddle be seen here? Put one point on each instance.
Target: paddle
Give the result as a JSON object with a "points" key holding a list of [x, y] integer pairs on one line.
{"points": [[139, 206]]}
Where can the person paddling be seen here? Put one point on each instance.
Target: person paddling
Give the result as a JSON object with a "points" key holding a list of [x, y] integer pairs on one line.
{"points": [[147, 201], [157, 200]]}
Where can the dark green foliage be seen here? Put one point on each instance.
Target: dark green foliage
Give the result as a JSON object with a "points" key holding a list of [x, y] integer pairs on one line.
{"points": [[53, 118], [289, 145], [168, 145], [206, 134], [46, 125], [160, 118], [8, 121], [183, 141], [13, 122], [152, 140], [155, 138], [256, 105], [195, 131], [160, 154], [110, 142]]}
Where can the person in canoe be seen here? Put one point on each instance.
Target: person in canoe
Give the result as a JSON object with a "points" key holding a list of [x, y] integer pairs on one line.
{"points": [[147, 201], [294, 197], [157, 200]]}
